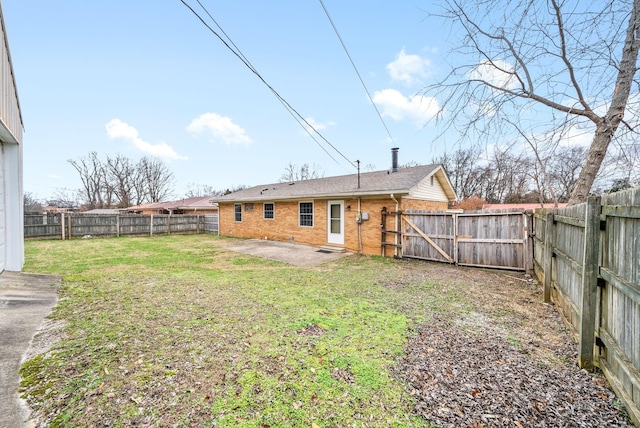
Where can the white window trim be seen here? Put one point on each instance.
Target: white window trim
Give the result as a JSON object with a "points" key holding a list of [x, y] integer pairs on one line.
{"points": [[313, 213], [274, 211]]}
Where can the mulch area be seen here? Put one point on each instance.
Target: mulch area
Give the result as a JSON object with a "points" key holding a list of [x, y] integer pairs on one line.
{"points": [[466, 372]]}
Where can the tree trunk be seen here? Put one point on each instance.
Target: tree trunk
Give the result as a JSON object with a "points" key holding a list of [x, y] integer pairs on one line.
{"points": [[607, 126]]}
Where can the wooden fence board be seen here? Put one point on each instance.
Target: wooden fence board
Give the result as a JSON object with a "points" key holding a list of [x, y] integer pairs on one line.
{"points": [[79, 225], [497, 239], [594, 264], [438, 226]]}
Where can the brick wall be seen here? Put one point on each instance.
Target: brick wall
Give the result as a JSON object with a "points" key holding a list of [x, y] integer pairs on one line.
{"points": [[285, 225], [417, 204]]}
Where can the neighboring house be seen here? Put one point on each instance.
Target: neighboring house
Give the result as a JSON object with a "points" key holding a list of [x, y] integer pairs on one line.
{"points": [[104, 211], [195, 205], [11, 191], [333, 211], [52, 209], [531, 207]]}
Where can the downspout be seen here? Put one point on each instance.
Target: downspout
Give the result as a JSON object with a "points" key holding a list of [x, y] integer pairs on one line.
{"points": [[397, 226], [359, 217]]}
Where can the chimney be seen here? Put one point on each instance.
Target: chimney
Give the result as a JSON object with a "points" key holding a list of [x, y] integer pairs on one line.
{"points": [[394, 159]]}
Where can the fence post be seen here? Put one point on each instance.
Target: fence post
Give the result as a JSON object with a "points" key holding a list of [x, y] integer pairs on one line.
{"points": [[62, 224], [118, 225], [529, 221], [151, 226], [590, 271], [548, 256], [69, 226]]}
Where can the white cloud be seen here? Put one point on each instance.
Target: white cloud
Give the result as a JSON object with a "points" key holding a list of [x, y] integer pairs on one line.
{"points": [[577, 136], [119, 129], [398, 107], [317, 125], [220, 128], [409, 69], [496, 73]]}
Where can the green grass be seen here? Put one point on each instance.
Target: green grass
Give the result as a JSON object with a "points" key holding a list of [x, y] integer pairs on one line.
{"points": [[177, 331]]}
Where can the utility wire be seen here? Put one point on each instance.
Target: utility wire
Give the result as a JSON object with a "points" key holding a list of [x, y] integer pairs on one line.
{"points": [[297, 116], [248, 63], [356, 69]]}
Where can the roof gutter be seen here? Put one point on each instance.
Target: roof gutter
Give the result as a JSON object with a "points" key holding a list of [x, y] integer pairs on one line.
{"points": [[350, 195]]}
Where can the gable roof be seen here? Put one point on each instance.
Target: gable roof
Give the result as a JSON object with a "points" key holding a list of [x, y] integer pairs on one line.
{"points": [[371, 184], [198, 203], [192, 203]]}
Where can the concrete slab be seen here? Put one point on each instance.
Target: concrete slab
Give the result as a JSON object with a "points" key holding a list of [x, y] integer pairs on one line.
{"points": [[25, 299], [293, 254]]}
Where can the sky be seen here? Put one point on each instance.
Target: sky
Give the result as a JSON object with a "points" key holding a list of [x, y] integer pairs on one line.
{"points": [[141, 78]]}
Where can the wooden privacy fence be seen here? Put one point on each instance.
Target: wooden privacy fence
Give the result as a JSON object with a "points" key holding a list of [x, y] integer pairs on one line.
{"points": [[588, 257], [72, 225], [494, 238]]}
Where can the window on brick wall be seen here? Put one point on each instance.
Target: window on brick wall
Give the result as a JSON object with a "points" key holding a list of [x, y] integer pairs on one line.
{"points": [[237, 212], [269, 211], [305, 210]]}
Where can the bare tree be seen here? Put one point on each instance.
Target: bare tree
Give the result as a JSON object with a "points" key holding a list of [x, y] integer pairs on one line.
{"points": [[122, 175], [93, 177], [195, 190], [31, 203], [157, 179], [121, 181], [462, 167], [293, 172], [544, 66], [66, 198]]}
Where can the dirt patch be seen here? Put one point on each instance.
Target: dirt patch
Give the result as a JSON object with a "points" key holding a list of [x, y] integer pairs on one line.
{"points": [[476, 378], [311, 330], [511, 362]]}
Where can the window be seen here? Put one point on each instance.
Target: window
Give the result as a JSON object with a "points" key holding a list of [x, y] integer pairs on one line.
{"points": [[306, 214], [432, 180], [269, 211], [237, 211]]}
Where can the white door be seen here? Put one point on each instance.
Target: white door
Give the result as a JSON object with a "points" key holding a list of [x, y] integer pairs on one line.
{"points": [[335, 222]]}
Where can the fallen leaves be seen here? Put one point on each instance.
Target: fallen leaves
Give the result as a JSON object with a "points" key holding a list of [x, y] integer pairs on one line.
{"points": [[480, 379]]}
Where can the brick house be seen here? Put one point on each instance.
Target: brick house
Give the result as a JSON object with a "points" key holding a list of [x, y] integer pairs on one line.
{"points": [[333, 211]]}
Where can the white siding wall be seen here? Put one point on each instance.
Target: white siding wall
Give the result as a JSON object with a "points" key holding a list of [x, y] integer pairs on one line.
{"points": [[11, 191], [13, 207], [424, 190], [10, 117], [3, 210]]}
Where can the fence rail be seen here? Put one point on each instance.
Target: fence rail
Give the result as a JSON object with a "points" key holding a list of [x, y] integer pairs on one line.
{"points": [[72, 225], [495, 238], [588, 257]]}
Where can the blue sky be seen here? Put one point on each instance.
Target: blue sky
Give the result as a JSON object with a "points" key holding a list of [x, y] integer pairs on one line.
{"points": [[147, 78]]}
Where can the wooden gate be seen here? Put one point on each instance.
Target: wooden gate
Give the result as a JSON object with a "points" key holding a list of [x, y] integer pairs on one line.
{"points": [[494, 239]]}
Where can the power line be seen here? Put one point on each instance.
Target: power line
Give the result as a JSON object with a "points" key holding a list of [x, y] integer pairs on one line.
{"points": [[335, 29], [236, 51], [246, 61]]}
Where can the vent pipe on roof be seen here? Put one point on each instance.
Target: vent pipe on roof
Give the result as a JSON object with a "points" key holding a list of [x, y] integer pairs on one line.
{"points": [[394, 159]]}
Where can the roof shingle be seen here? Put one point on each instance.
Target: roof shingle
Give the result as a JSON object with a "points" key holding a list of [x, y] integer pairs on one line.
{"points": [[371, 183]]}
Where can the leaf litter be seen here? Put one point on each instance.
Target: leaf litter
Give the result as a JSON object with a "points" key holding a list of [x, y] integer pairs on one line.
{"points": [[462, 377]]}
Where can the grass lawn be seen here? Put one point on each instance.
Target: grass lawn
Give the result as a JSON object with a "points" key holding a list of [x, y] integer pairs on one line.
{"points": [[177, 331]]}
